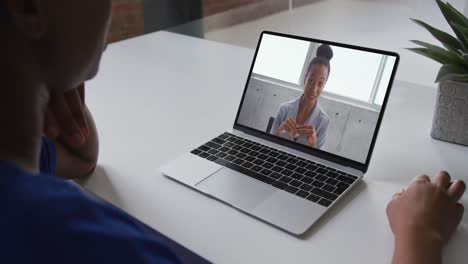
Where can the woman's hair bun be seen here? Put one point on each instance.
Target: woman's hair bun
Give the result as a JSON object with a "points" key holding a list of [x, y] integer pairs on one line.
{"points": [[325, 51]]}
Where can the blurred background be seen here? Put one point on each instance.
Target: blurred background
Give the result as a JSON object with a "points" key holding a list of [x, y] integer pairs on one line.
{"points": [[136, 17], [382, 24]]}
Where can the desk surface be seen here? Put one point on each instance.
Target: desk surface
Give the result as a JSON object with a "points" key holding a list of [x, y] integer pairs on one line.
{"points": [[162, 94]]}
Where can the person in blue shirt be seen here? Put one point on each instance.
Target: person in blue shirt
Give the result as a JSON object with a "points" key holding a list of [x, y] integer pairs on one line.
{"points": [[52, 47]]}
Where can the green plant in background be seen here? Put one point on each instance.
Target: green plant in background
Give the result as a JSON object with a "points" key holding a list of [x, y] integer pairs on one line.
{"points": [[454, 57]]}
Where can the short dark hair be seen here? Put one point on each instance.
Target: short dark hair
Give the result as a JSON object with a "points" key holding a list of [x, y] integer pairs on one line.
{"points": [[324, 55], [2, 10]]}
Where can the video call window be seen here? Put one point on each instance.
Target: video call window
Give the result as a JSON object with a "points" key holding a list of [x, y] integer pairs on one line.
{"points": [[372, 71], [322, 96]]}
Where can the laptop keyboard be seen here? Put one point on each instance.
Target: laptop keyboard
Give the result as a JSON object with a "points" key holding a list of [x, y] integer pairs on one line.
{"points": [[304, 178]]}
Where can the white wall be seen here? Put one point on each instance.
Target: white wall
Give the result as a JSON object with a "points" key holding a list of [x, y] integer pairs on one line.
{"points": [[351, 127]]}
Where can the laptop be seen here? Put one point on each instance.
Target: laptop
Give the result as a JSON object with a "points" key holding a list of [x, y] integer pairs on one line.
{"points": [[304, 132]]}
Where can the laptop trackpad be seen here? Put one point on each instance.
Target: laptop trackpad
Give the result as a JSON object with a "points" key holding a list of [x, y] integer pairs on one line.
{"points": [[237, 189]]}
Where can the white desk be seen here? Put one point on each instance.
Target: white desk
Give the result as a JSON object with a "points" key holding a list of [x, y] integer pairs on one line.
{"points": [[162, 94]]}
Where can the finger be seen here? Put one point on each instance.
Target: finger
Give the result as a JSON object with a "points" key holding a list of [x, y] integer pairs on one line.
{"points": [[296, 126], [305, 128], [293, 132], [51, 126], [69, 128], [293, 121], [397, 195], [305, 131], [442, 179], [421, 179], [73, 98], [459, 211], [77, 109], [282, 128], [456, 190], [81, 91], [292, 126], [313, 140], [289, 129]]}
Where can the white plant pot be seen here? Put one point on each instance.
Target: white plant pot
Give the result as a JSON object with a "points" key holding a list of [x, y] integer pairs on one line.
{"points": [[451, 113]]}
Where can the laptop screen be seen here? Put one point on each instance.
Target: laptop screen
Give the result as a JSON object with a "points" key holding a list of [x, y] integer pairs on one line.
{"points": [[319, 95]]}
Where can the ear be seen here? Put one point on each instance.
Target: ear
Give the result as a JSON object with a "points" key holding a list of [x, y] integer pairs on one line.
{"points": [[28, 17]]}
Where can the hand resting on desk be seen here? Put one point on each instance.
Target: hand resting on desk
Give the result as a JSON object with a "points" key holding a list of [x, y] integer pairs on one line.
{"points": [[423, 218]]}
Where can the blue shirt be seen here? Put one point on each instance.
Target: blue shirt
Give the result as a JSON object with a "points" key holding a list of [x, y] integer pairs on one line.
{"points": [[318, 118], [45, 219]]}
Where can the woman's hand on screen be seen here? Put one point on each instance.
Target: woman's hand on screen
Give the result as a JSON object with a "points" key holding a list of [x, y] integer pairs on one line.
{"points": [[309, 132], [289, 126]]}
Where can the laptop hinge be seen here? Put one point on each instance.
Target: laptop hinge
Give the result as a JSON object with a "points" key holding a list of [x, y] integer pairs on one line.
{"points": [[331, 164]]}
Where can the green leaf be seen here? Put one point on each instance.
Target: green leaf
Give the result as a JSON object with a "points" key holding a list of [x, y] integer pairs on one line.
{"points": [[428, 45], [462, 18], [463, 30], [455, 57], [427, 53], [446, 39], [453, 16], [440, 55], [451, 72], [455, 77]]}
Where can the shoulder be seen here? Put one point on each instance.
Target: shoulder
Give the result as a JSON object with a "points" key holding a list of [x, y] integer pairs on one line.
{"points": [[44, 201], [51, 218], [28, 190], [288, 105]]}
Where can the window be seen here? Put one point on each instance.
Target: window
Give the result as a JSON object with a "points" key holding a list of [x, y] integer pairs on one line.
{"points": [[281, 58], [384, 81], [353, 73]]}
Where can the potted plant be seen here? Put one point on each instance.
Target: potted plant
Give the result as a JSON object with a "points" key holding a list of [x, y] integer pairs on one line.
{"points": [[451, 114]]}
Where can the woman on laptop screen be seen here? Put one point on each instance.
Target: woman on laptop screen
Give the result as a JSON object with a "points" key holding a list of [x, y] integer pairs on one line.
{"points": [[303, 120]]}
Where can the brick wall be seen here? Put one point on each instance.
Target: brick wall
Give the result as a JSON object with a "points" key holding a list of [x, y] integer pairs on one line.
{"points": [[226, 13], [127, 20], [211, 7]]}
